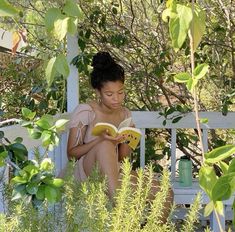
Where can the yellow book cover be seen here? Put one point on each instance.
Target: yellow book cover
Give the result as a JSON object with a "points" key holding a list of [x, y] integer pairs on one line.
{"points": [[133, 135]]}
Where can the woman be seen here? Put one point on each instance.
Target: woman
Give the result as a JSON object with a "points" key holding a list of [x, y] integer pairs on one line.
{"points": [[107, 78]]}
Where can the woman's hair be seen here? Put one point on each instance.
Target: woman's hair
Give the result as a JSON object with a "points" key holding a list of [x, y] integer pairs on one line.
{"points": [[105, 69]]}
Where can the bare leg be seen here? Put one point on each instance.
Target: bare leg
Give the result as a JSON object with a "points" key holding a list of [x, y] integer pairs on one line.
{"points": [[105, 155]]}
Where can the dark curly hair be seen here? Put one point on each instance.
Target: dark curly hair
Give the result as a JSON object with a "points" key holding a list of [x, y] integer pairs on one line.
{"points": [[105, 69]]}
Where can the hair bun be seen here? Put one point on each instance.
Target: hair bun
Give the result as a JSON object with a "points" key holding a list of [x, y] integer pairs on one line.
{"points": [[102, 61]]}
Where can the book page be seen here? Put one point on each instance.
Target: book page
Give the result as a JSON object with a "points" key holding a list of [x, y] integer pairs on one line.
{"points": [[125, 123]]}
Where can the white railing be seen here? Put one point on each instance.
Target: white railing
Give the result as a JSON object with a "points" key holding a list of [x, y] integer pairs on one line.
{"points": [[145, 120]]}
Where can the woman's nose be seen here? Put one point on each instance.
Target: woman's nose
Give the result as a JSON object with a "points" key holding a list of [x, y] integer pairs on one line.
{"points": [[115, 97]]}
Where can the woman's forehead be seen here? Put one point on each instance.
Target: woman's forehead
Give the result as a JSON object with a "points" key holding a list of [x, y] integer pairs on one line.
{"points": [[112, 85]]}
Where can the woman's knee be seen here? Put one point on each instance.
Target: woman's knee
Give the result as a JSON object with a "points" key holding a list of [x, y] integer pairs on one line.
{"points": [[105, 148]]}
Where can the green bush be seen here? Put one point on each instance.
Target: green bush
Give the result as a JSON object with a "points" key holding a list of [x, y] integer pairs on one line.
{"points": [[86, 207]]}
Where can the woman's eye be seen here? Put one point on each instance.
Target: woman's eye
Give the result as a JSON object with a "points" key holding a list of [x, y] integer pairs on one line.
{"points": [[121, 92]]}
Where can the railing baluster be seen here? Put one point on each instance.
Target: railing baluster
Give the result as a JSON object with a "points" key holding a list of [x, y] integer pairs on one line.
{"points": [[142, 148], [205, 139], [173, 153]]}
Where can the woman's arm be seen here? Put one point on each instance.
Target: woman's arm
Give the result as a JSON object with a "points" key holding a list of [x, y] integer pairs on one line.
{"points": [[78, 150], [123, 151]]}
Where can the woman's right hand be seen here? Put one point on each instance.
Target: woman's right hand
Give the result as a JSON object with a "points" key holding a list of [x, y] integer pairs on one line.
{"points": [[116, 140]]}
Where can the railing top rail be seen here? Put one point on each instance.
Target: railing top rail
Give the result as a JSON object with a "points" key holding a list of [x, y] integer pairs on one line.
{"points": [[143, 119], [152, 119]]}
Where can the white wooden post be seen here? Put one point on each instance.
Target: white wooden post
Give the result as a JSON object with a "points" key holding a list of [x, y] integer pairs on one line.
{"points": [[142, 148], [173, 153], [73, 78]]}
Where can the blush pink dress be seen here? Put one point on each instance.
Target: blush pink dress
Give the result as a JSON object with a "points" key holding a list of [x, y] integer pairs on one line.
{"points": [[82, 116]]}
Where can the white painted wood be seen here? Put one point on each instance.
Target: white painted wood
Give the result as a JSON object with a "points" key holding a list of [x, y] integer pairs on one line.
{"points": [[142, 149], [173, 153], [205, 139], [11, 132], [152, 119], [73, 78]]}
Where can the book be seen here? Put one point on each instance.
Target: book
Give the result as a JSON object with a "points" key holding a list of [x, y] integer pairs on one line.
{"points": [[133, 135]]}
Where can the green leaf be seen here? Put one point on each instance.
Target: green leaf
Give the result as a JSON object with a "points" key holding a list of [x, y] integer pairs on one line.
{"points": [[219, 207], [182, 77], [4, 154], [32, 188], [200, 71], [18, 140], [224, 167], [45, 122], [231, 167], [2, 162], [190, 85], [222, 188], [19, 179], [72, 26], [57, 183], [208, 209], [35, 134], [61, 65], [51, 16], [46, 164], [7, 9], [219, 154], [18, 192], [50, 194], [40, 195], [207, 179], [46, 138], [19, 150], [179, 25], [198, 26], [61, 27], [73, 9], [31, 169], [177, 119], [167, 13], [27, 113], [50, 71], [204, 120], [60, 124]]}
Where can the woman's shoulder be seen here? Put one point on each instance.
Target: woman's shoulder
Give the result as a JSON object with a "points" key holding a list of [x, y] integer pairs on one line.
{"points": [[83, 107], [83, 113], [127, 112]]}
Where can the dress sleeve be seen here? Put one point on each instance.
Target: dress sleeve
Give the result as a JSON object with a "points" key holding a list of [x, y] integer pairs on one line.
{"points": [[129, 115], [82, 116]]}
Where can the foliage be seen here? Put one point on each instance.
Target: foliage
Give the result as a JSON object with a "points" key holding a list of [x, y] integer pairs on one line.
{"points": [[137, 37], [33, 180], [86, 207], [217, 188]]}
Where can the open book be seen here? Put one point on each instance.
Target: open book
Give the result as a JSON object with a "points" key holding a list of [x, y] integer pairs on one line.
{"points": [[133, 134]]}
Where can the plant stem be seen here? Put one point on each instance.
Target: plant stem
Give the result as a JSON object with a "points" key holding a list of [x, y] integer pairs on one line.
{"points": [[218, 220], [196, 105], [195, 89]]}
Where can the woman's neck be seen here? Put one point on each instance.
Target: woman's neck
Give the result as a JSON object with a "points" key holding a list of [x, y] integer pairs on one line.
{"points": [[107, 110]]}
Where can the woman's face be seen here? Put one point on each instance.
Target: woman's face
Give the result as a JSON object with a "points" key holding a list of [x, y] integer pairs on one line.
{"points": [[112, 94]]}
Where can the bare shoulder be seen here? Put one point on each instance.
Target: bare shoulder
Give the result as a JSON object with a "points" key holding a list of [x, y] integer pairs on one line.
{"points": [[94, 105], [127, 112]]}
